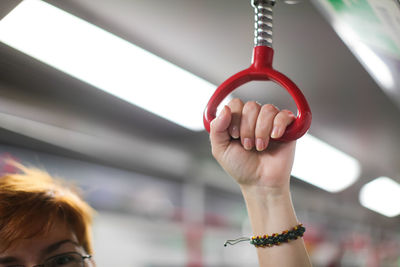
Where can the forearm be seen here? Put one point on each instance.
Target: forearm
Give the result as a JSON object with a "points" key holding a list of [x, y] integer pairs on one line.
{"points": [[271, 211]]}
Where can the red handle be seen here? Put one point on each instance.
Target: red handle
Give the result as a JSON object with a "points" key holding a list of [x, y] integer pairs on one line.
{"points": [[261, 70]]}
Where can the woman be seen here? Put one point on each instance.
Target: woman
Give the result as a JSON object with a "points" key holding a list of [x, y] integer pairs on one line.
{"points": [[44, 222]]}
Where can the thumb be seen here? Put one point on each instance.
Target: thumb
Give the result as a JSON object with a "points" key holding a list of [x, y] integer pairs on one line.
{"points": [[219, 135]]}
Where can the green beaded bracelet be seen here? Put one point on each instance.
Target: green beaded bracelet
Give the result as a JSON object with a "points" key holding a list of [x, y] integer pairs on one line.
{"points": [[272, 240]]}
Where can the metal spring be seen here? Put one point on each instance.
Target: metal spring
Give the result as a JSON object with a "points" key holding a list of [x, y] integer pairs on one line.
{"points": [[263, 22]]}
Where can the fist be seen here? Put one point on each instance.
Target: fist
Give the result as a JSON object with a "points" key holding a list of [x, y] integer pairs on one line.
{"points": [[242, 142]]}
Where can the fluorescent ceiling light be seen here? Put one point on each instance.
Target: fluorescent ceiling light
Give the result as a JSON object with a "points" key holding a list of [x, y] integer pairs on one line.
{"points": [[324, 166], [107, 62], [381, 195]]}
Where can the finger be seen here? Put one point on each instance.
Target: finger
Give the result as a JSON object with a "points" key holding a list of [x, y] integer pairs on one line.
{"points": [[219, 135], [281, 121], [264, 125], [248, 124], [236, 106]]}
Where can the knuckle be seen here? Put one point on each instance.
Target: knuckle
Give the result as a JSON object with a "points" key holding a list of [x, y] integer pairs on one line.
{"points": [[280, 117], [252, 105], [270, 108], [236, 102], [279, 121]]}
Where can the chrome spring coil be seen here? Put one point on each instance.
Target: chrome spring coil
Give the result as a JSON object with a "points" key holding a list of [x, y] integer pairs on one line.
{"points": [[263, 22]]}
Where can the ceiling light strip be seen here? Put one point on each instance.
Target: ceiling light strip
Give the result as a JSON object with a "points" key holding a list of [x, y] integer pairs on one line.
{"points": [[107, 62], [324, 166]]}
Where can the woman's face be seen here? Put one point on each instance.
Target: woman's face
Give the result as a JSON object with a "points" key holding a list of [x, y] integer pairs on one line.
{"points": [[35, 251]]}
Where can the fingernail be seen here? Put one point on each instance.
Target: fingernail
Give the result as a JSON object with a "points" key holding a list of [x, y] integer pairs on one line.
{"points": [[248, 145], [275, 132], [235, 132], [259, 144]]}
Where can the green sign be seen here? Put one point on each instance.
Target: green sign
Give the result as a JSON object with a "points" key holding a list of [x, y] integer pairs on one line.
{"points": [[374, 22]]}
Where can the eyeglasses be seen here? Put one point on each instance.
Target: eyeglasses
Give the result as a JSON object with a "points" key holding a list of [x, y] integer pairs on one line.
{"points": [[70, 259]]}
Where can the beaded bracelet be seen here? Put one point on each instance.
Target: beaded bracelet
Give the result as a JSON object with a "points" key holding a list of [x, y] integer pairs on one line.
{"points": [[272, 240]]}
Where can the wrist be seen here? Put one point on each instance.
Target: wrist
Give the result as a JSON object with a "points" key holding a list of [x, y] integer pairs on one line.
{"points": [[270, 209], [265, 193], [266, 201]]}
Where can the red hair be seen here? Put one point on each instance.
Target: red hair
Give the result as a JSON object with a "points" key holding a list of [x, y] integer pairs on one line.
{"points": [[31, 202]]}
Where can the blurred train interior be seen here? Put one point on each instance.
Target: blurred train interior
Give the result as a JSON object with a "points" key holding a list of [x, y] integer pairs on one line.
{"points": [[109, 94]]}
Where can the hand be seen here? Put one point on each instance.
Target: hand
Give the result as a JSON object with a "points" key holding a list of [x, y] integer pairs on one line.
{"points": [[242, 144]]}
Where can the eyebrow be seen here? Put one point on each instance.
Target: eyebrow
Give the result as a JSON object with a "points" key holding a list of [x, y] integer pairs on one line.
{"points": [[48, 250], [57, 245]]}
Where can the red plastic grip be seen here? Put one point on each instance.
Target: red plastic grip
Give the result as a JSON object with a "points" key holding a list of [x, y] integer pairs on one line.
{"points": [[261, 70]]}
